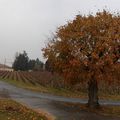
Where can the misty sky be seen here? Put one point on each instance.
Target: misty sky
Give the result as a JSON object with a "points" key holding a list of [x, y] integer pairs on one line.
{"points": [[26, 24]]}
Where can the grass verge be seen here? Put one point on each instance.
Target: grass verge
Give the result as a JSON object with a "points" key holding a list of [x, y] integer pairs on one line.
{"points": [[60, 91], [50, 90], [11, 110]]}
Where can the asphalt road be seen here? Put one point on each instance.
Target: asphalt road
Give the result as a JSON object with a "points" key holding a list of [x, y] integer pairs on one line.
{"points": [[53, 104]]}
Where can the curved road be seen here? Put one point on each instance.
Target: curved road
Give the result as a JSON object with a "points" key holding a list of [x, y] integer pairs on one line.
{"points": [[53, 104]]}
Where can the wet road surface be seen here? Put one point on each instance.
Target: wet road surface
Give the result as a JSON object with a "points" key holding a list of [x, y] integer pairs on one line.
{"points": [[53, 104]]}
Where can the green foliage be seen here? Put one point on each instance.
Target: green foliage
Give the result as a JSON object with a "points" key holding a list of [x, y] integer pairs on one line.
{"points": [[38, 65], [21, 62], [31, 64]]}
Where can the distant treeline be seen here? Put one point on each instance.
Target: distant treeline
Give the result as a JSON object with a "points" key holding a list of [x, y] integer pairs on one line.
{"points": [[23, 63]]}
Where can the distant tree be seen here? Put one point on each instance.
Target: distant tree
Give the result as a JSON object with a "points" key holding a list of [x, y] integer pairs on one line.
{"points": [[21, 62], [31, 64], [89, 45], [38, 65]]}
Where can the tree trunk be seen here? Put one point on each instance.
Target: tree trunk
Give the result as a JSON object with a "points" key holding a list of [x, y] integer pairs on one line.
{"points": [[93, 93]]}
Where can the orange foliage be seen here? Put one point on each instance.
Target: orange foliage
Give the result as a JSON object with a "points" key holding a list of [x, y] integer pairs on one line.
{"points": [[88, 45]]}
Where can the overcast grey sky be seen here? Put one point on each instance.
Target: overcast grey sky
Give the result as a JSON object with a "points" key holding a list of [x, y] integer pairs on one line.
{"points": [[26, 24]]}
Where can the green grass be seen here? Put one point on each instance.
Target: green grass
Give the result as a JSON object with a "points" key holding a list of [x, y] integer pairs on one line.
{"points": [[59, 91], [11, 110], [42, 89]]}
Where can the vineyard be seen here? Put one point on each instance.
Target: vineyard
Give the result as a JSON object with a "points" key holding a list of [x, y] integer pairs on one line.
{"points": [[34, 78], [47, 79]]}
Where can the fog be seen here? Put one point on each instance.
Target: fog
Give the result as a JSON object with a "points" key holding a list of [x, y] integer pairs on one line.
{"points": [[27, 24]]}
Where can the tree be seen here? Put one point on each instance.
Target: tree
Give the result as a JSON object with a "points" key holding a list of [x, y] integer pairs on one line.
{"points": [[88, 46], [31, 64], [38, 65], [21, 62], [48, 66]]}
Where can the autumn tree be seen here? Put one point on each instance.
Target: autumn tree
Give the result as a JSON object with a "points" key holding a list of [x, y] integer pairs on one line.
{"points": [[48, 66], [87, 46]]}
